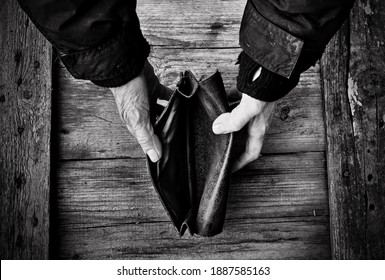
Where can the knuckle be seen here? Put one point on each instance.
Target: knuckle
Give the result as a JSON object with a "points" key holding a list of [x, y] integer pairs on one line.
{"points": [[144, 135], [144, 142], [136, 119]]}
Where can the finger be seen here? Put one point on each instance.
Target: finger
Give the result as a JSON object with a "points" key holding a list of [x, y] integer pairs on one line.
{"points": [[149, 142], [252, 152], [256, 132], [260, 124], [239, 117]]}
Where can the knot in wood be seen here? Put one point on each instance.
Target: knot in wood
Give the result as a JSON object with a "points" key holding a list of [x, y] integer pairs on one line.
{"points": [[35, 220], [370, 177], [372, 83], [20, 129], [285, 109], [216, 25], [336, 112], [27, 94], [20, 180], [284, 113], [64, 131]]}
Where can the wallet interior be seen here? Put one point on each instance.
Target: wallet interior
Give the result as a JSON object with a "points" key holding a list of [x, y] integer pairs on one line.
{"points": [[193, 176]]}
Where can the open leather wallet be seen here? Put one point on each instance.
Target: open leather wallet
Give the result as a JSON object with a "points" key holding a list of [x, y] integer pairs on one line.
{"points": [[192, 178]]}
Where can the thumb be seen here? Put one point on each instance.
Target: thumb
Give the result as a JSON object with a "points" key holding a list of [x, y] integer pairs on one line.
{"points": [[149, 142], [229, 122]]}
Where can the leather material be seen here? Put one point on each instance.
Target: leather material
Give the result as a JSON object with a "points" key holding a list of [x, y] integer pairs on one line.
{"points": [[192, 178]]}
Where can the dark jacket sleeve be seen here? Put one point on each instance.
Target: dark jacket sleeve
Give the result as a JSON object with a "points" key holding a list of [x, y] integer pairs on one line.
{"points": [[285, 38], [97, 40]]}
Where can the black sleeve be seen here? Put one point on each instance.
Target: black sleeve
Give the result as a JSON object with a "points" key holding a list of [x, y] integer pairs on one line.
{"points": [[97, 40], [285, 38]]}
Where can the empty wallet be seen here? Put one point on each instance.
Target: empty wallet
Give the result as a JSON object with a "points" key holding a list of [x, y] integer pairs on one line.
{"points": [[192, 178]]}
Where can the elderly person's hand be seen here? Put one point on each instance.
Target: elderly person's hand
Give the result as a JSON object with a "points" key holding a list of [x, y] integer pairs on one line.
{"points": [[257, 115], [134, 100]]}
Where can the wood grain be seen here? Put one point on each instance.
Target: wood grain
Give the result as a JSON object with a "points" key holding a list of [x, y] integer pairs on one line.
{"points": [[90, 127], [278, 209], [252, 239], [366, 91], [25, 109], [191, 24], [354, 82]]}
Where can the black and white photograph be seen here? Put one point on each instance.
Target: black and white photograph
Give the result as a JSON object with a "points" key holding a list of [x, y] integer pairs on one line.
{"points": [[192, 130]]}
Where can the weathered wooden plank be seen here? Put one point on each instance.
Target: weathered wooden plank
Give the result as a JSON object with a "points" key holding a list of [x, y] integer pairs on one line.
{"points": [[354, 98], [273, 177], [277, 209], [346, 228], [191, 24], [366, 91], [25, 109], [89, 125], [252, 239]]}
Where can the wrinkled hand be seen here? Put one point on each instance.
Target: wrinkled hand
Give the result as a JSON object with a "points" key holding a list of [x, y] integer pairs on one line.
{"points": [[257, 115], [134, 100]]}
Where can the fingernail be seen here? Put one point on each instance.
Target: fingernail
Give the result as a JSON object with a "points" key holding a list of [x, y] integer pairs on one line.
{"points": [[153, 155], [218, 128]]}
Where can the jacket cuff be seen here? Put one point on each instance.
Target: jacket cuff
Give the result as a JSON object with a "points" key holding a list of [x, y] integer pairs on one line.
{"points": [[123, 78], [268, 86], [112, 63]]}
